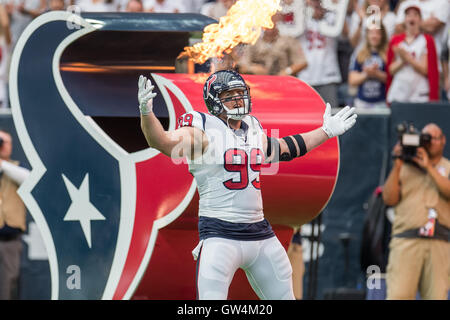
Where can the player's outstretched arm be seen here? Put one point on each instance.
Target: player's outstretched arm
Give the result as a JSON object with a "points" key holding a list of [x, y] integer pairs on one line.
{"points": [[185, 141], [290, 147]]}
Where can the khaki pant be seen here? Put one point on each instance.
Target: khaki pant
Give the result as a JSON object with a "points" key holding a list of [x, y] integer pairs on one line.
{"points": [[10, 252], [418, 264], [295, 254]]}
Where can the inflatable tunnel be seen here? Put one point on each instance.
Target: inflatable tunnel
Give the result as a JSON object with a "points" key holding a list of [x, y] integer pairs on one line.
{"points": [[119, 219]]}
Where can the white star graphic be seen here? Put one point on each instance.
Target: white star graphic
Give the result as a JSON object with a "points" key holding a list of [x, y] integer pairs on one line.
{"points": [[81, 209]]}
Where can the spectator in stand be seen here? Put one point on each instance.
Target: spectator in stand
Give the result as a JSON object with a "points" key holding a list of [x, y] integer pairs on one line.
{"points": [[367, 16], [115, 5], [193, 6], [435, 14], [5, 43], [134, 6], [291, 23], [34, 10], [412, 63], [96, 5], [273, 54], [162, 6], [368, 70], [346, 92], [55, 5], [122, 5], [21, 13], [320, 50], [119, 5], [217, 9]]}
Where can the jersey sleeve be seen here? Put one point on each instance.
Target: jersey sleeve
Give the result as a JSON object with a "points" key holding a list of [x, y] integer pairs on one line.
{"points": [[355, 65], [192, 119]]}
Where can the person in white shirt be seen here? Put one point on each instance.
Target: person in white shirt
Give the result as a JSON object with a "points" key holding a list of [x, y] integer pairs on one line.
{"points": [[409, 69], [322, 72], [21, 13], [95, 6], [435, 14], [5, 44], [193, 6], [134, 6], [54, 5], [162, 6]]}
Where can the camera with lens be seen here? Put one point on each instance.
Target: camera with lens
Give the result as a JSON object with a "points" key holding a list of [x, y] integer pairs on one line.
{"points": [[410, 139]]}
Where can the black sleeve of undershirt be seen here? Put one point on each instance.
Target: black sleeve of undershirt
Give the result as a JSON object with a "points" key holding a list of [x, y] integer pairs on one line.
{"points": [[301, 144], [273, 148]]}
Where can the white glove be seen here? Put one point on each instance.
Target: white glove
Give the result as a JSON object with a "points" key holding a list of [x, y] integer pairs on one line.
{"points": [[340, 122], [145, 95]]}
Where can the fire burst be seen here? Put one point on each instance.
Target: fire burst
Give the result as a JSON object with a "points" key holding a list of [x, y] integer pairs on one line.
{"points": [[242, 24]]}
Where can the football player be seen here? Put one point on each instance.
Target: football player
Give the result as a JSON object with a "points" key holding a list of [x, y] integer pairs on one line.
{"points": [[225, 150]]}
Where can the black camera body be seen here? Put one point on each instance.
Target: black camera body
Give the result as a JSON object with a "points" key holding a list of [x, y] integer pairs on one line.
{"points": [[410, 139]]}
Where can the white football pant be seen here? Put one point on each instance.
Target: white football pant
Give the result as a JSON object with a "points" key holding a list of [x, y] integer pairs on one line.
{"points": [[265, 263]]}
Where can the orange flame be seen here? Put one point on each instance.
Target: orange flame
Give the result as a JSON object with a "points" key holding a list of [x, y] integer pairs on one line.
{"points": [[242, 24]]}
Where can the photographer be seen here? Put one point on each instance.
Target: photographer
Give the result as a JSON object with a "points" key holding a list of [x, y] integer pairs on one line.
{"points": [[12, 219], [419, 188]]}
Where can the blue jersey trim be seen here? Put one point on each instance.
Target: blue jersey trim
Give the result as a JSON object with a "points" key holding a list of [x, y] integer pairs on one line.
{"points": [[213, 227], [203, 120]]}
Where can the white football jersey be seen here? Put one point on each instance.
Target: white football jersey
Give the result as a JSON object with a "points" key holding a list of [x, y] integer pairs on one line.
{"points": [[227, 174], [407, 84], [321, 53], [440, 9]]}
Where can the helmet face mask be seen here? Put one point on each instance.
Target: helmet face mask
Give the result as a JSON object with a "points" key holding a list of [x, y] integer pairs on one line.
{"points": [[238, 111], [222, 81]]}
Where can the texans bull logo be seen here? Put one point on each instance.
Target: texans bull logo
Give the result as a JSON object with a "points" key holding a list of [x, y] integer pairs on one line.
{"points": [[97, 206]]}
